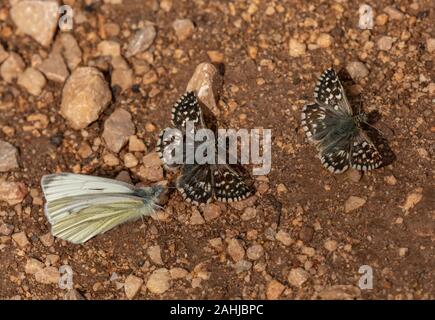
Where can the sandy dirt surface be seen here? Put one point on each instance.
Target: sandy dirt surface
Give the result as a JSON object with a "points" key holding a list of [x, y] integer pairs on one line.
{"points": [[298, 237]]}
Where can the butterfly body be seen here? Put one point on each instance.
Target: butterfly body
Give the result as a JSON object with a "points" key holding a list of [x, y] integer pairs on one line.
{"points": [[336, 131]]}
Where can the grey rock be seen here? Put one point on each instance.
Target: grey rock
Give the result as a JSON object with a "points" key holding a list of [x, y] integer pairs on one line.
{"points": [[85, 95], [117, 130], [8, 157], [37, 19]]}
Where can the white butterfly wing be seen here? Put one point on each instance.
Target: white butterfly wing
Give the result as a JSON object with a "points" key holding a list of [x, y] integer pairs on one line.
{"points": [[97, 218], [80, 207], [57, 186]]}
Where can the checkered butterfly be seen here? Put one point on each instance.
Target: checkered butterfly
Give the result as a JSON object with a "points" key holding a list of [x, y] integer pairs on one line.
{"points": [[200, 183], [337, 132]]}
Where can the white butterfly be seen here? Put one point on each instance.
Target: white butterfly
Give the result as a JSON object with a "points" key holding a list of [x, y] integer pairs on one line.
{"points": [[80, 207]]}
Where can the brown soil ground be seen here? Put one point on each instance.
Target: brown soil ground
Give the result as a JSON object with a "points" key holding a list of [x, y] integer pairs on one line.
{"points": [[299, 196]]}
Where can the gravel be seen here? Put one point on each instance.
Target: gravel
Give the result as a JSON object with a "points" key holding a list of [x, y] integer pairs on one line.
{"points": [[183, 28], [32, 80], [38, 19], [353, 203], [117, 130], [141, 40], [8, 157], [235, 249], [159, 281], [84, 96], [132, 285], [54, 68], [12, 67]]}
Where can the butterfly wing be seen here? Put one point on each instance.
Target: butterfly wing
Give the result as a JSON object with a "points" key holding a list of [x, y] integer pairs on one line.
{"points": [[195, 183], [91, 217], [363, 153], [229, 185], [56, 186], [187, 108], [329, 93], [80, 207]]}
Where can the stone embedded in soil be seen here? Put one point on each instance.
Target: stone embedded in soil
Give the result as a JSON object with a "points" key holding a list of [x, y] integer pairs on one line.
{"points": [[340, 292], [3, 54], [330, 245], [235, 249], [324, 40], [33, 266], [111, 160], [124, 78], [151, 169], [32, 80], [411, 201], [12, 67], [354, 175], [70, 50], [141, 40], [297, 277], [394, 13], [381, 19], [183, 28], [274, 290], [54, 68], [390, 180], [6, 229], [117, 129], [249, 213], [206, 82], [154, 252], [130, 161], [178, 273], [215, 56], [47, 239], [159, 281], [132, 285], [255, 252], [109, 48], [284, 238], [353, 203], [296, 48], [385, 43], [136, 145], [8, 157], [38, 19], [84, 96], [12, 192], [242, 266], [20, 238], [196, 217], [48, 275], [211, 211], [357, 70], [166, 5], [150, 77]]}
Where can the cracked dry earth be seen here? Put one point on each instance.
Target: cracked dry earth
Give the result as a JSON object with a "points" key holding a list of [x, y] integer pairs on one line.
{"points": [[305, 233]]}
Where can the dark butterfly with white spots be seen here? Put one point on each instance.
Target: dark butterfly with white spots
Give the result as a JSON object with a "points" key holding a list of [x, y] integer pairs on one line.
{"points": [[337, 132], [200, 183]]}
